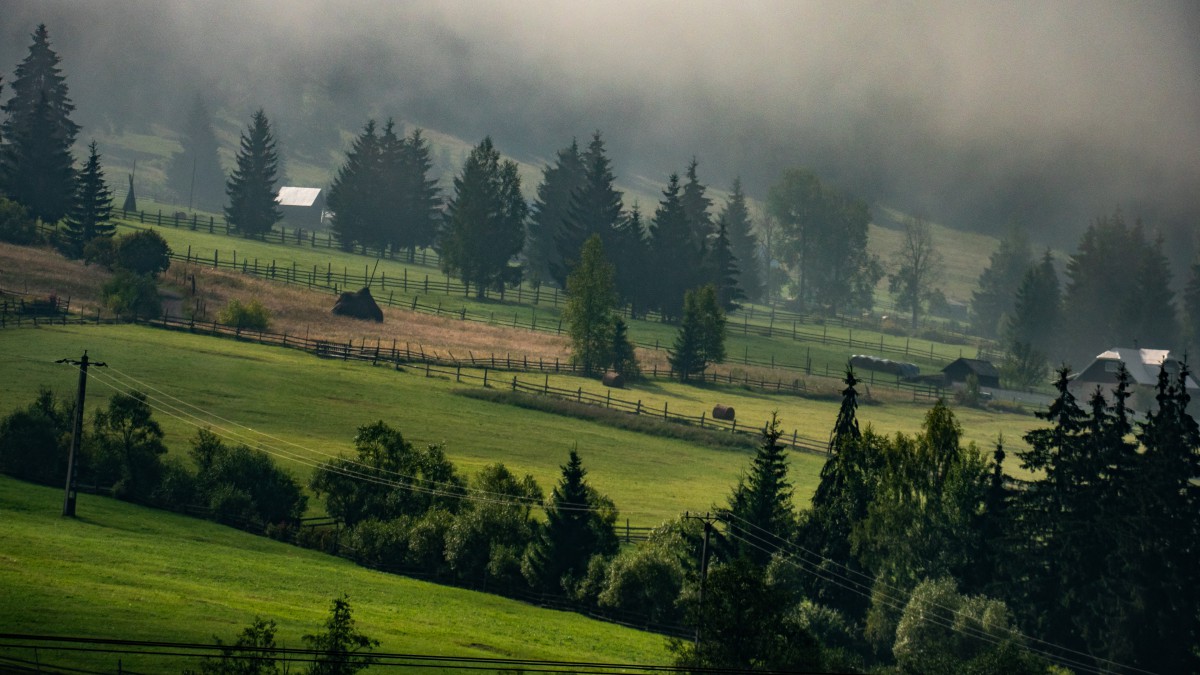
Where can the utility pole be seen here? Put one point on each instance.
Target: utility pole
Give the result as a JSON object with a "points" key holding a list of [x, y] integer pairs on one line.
{"points": [[76, 431], [708, 519]]}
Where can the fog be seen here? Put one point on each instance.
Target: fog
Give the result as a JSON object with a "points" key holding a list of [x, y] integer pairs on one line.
{"points": [[976, 114]]}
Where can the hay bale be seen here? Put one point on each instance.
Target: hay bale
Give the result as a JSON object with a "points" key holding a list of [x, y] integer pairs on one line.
{"points": [[613, 379], [723, 412], [358, 305]]}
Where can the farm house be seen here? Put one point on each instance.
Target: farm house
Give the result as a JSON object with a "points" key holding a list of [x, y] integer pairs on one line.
{"points": [[1143, 366], [302, 207], [960, 369]]}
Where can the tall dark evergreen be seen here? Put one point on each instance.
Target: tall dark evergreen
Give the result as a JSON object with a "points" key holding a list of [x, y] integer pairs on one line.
{"points": [[1191, 308], [631, 258], [675, 252], [548, 215], [484, 228], [735, 217], [579, 525], [761, 508], [251, 207], [195, 174], [998, 283], [420, 204], [594, 208], [722, 269], [36, 165], [91, 209], [701, 337], [355, 196], [696, 206], [1118, 291]]}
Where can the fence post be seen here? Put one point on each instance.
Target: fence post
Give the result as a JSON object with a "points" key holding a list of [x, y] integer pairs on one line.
{"points": [[638, 411], [485, 377]]}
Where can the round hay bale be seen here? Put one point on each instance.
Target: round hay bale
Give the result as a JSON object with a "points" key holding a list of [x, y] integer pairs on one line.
{"points": [[613, 379], [723, 412]]}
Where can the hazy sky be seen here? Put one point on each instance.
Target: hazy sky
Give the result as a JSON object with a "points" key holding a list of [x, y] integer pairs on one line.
{"points": [[976, 113]]}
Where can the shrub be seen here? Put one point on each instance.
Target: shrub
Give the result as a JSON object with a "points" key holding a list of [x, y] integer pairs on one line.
{"points": [[16, 226], [246, 316], [144, 252], [238, 483], [132, 295], [34, 441]]}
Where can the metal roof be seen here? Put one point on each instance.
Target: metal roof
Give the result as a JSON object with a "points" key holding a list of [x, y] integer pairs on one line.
{"points": [[1143, 364], [297, 196]]}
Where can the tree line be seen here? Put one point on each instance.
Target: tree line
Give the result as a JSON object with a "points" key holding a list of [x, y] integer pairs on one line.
{"points": [[1115, 290]]}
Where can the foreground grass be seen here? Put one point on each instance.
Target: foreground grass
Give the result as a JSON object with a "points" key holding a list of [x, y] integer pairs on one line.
{"points": [[128, 572]]}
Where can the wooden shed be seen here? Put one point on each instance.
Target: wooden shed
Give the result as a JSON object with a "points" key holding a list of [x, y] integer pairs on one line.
{"points": [[960, 369]]}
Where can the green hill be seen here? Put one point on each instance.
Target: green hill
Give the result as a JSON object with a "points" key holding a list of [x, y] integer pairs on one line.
{"points": [[128, 572]]}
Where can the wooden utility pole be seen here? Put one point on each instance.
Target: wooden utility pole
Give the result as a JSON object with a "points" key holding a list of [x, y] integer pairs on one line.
{"points": [[708, 519], [76, 432]]}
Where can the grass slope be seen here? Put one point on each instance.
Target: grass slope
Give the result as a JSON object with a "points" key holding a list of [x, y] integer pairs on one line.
{"points": [[298, 404], [123, 571]]}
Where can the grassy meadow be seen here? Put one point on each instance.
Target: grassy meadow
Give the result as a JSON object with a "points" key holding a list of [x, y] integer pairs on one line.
{"points": [[128, 572]]}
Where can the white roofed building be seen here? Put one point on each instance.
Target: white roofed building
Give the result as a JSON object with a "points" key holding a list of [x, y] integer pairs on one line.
{"points": [[302, 206], [1143, 366]]}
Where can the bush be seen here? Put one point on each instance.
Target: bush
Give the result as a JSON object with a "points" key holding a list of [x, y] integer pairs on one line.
{"points": [[144, 252], [16, 226], [240, 484], [249, 316], [34, 441], [131, 295]]}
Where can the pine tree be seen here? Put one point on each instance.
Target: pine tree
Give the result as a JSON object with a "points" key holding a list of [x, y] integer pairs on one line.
{"points": [[91, 208], [675, 252], [252, 208], [701, 336], [760, 508], [421, 204], [195, 172], [624, 355], [845, 427], [484, 228], [696, 207], [735, 218], [35, 161], [356, 193], [579, 524], [998, 283], [548, 215], [588, 312], [722, 269], [1191, 306], [631, 259], [594, 208]]}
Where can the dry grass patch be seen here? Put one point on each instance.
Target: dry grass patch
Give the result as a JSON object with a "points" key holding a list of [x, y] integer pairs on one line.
{"points": [[42, 271]]}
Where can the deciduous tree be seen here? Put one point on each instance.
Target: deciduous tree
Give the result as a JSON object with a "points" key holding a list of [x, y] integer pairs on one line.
{"points": [[918, 268], [591, 297]]}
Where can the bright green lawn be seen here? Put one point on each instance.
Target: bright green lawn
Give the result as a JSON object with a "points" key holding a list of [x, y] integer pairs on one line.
{"points": [[311, 407], [123, 571]]}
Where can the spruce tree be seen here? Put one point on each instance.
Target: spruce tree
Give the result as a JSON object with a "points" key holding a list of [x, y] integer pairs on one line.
{"points": [[631, 259], [422, 201], [676, 255], [761, 508], [624, 355], [195, 174], [722, 269], [735, 217], [355, 194], [1191, 307], [252, 208], [696, 207], [845, 427], [998, 283], [701, 336], [579, 525], [91, 208], [35, 160], [594, 208], [484, 228], [588, 312], [548, 215]]}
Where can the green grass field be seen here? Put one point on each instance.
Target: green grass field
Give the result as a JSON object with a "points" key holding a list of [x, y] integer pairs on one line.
{"points": [[128, 572]]}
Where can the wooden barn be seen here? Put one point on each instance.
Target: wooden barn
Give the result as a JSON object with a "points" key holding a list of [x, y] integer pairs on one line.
{"points": [[960, 369], [1143, 366]]}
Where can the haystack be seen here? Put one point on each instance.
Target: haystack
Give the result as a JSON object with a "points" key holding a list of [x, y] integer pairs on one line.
{"points": [[358, 305]]}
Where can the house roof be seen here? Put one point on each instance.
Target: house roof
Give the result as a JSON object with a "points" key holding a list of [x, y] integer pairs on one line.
{"points": [[1143, 364], [297, 196], [977, 366]]}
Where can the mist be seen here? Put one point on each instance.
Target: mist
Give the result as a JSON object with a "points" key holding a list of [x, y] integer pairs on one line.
{"points": [[975, 114]]}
